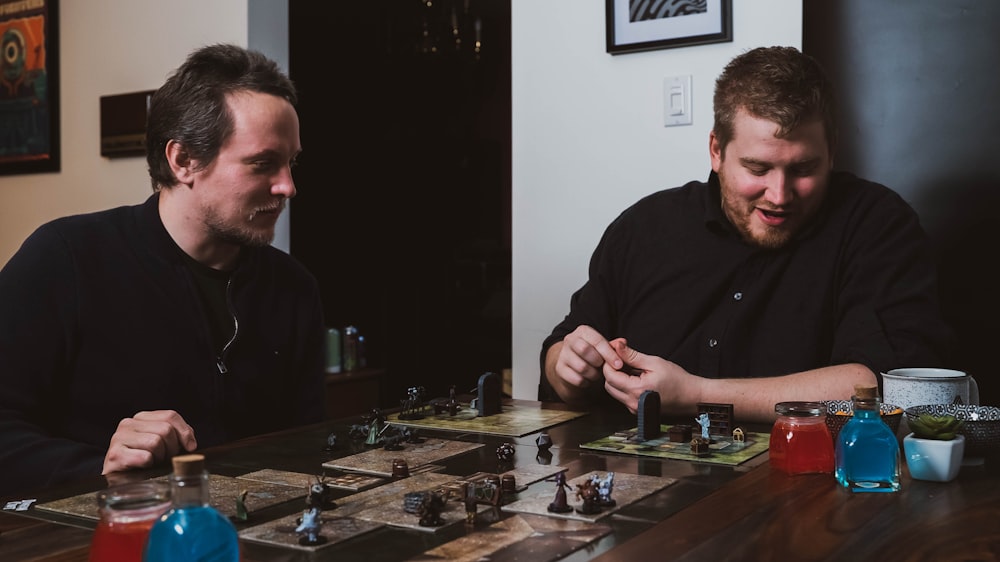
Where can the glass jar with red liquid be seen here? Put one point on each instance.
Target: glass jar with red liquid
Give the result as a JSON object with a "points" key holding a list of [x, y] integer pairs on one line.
{"points": [[127, 512], [801, 442]]}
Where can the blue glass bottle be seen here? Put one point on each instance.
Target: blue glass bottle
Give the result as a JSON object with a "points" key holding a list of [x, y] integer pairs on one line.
{"points": [[867, 452], [192, 529]]}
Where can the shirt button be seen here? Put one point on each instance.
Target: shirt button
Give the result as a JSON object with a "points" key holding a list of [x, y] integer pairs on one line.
{"points": [[737, 296], [712, 342]]}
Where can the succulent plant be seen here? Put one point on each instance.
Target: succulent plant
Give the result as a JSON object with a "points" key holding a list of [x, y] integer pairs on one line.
{"points": [[930, 426]]}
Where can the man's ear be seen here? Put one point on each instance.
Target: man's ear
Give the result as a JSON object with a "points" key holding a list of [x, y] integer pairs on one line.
{"points": [[181, 163], [714, 151]]}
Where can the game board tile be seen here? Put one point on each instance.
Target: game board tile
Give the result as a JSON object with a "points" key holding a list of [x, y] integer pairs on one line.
{"points": [[516, 420], [351, 482], [519, 537], [223, 491], [281, 532], [378, 461], [721, 451], [385, 504], [628, 488]]}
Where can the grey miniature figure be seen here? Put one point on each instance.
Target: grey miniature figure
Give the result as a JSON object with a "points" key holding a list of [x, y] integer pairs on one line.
{"points": [[604, 487]]}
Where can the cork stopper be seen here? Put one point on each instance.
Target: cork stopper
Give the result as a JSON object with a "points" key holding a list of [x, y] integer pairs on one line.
{"points": [[865, 392], [189, 465]]}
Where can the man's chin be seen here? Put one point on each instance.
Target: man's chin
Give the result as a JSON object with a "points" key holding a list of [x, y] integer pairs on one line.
{"points": [[770, 239]]}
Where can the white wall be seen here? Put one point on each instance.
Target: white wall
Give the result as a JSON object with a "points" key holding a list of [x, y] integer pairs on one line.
{"points": [[588, 140], [108, 47]]}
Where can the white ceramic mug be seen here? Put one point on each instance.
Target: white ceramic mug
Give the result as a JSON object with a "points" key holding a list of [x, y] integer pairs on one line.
{"points": [[920, 386]]}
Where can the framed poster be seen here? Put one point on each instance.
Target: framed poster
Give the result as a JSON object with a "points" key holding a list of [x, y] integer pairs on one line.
{"points": [[645, 25], [29, 86]]}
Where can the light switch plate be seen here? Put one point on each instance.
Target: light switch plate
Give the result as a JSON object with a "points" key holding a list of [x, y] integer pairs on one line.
{"points": [[677, 100]]}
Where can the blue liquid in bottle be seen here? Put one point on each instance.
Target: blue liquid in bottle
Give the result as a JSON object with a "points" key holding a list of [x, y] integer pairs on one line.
{"points": [[192, 530], [867, 452]]}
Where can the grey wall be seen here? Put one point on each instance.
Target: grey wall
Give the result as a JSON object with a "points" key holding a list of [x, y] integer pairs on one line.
{"points": [[918, 85]]}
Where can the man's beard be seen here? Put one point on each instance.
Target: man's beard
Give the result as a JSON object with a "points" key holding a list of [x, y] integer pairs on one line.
{"points": [[240, 235], [740, 212]]}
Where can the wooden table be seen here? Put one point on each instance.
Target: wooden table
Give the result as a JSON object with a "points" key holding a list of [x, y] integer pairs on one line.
{"points": [[712, 512]]}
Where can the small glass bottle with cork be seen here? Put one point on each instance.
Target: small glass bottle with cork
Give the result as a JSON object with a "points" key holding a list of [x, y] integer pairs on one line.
{"points": [[867, 452]]}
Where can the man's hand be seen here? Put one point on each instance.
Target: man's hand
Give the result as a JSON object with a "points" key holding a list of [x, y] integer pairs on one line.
{"points": [[148, 438], [640, 372], [574, 364]]}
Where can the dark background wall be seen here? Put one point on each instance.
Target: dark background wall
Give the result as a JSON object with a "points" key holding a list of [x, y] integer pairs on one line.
{"points": [[404, 203], [919, 85], [403, 210]]}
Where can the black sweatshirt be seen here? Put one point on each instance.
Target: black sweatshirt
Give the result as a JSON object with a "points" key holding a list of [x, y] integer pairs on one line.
{"points": [[100, 318]]}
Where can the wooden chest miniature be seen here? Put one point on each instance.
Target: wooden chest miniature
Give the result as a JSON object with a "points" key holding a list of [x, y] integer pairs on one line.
{"points": [[680, 433]]}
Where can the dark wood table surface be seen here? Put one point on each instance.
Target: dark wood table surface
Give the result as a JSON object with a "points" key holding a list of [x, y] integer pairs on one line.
{"points": [[712, 512]]}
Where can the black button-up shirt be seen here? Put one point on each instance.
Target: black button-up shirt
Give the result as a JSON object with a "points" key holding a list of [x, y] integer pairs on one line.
{"points": [[673, 276]]}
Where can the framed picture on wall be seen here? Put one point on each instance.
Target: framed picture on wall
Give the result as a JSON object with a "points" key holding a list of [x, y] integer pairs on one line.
{"points": [[645, 25], [29, 86]]}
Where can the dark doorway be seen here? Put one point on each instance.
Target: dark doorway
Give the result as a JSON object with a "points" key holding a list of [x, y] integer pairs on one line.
{"points": [[403, 209]]}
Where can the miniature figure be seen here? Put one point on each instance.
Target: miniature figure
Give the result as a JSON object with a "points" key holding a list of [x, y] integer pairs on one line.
{"points": [[331, 442], [704, 422], [241, 506], [411, 408], [358, 432], [587, 492], [430, 510], [393, 442], [376, 426], [412, 435], [471, 506], [604, 487], [308, 529], [559, 504], [320, 495]]}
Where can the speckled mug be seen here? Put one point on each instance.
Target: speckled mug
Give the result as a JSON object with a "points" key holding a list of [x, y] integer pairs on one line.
{"points": [[920, 386]]}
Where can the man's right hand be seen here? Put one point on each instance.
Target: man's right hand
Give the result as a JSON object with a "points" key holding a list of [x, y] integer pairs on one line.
{"points": [[148, 438], [574, 364]]}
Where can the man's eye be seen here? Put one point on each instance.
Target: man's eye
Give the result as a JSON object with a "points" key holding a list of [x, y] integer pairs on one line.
{"points": [[757, 171]]}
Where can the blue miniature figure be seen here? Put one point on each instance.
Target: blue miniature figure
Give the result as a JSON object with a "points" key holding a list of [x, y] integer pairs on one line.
{"points": [[703, 421], [308, 529]]}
